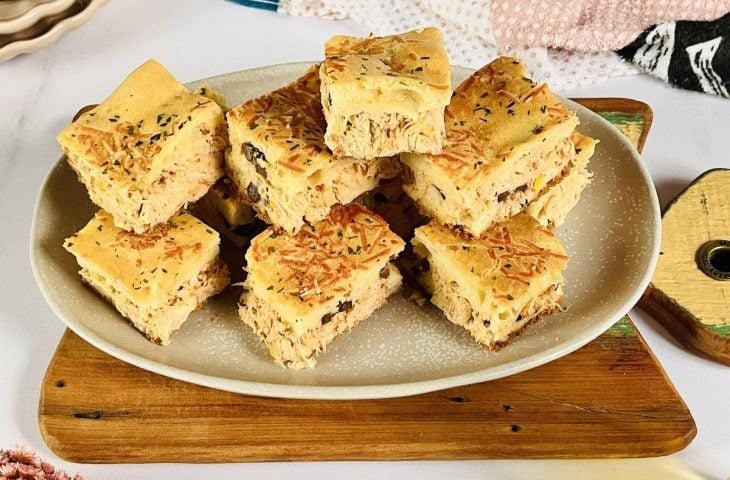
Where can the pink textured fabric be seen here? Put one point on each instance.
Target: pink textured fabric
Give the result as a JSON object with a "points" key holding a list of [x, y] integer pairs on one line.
{"points": [[566, 43], [467, 26], [590, 25], [23, 464]]}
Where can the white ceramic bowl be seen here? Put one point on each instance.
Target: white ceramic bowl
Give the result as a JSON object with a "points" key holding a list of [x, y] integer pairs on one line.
{"points": [[48, 29]]}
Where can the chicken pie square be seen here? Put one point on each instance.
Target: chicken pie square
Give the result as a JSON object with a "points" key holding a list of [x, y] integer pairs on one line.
{"points": [[304, 290], [280, 162], [385, 95], [506, 140], [155, 279], [493, 286], [148, 149]]}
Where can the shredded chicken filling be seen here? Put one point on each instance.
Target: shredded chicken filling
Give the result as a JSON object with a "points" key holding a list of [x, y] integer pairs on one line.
{"points": [[299, 351], [367, 136], [158, 321]]}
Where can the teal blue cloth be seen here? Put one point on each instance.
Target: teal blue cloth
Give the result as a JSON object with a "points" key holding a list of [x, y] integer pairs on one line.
{"points": [[262, 4]]}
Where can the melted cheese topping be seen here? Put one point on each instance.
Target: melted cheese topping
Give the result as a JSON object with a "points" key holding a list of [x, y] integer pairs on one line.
{"points": [[306, 275], [287, 127], [407, 73], [135, 134], [499, 273], [150, 267], [496, 116]]}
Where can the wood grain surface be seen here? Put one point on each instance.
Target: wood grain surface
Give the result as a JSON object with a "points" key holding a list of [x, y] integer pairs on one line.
{"points": [[631, 117], [692, 305], [609, 399]]}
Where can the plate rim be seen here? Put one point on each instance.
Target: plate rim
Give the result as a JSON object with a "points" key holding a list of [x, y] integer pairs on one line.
{"points": [[373, 391]]}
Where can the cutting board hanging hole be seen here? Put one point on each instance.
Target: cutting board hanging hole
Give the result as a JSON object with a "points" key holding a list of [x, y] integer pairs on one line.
{"points": [[713, 258]]}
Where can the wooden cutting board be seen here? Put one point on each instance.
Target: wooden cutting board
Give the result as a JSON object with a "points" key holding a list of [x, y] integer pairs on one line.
{"points": [[609, 399], [690, 290]]}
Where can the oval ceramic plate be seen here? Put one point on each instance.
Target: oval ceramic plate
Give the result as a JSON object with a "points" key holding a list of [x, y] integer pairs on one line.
{"points": [[612, 236]]}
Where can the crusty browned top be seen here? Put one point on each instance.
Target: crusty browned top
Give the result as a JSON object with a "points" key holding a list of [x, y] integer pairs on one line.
{"points": [[290, 118], [417, 56], [121, 139], [148, 267], [492, 112], [320, 262], [505, 261]]}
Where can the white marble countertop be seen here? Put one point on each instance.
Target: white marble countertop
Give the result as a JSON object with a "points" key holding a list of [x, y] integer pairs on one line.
{"points": [[200, 38]]}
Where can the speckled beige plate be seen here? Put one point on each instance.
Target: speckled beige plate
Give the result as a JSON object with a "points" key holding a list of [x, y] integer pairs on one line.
{"points": [[612, 236]]}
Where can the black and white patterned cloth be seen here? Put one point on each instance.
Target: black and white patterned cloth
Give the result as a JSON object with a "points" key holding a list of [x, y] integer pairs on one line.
{"points": [[689, 55]]}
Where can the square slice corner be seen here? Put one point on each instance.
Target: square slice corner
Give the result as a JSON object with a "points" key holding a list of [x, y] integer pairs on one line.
{"points": [[156, 279], [148, 149], [304, 290], [493, 286], [385, 95]]}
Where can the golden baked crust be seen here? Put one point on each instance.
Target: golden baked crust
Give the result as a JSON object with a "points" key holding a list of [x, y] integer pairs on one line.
{"points": [[155, 279], [297, 351], [493, 278], [287, 126], [305, 276], [279, 159], [503, 133], [385, 95], [145, 266], [414, 61], [148, 149], [224, 209]]}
